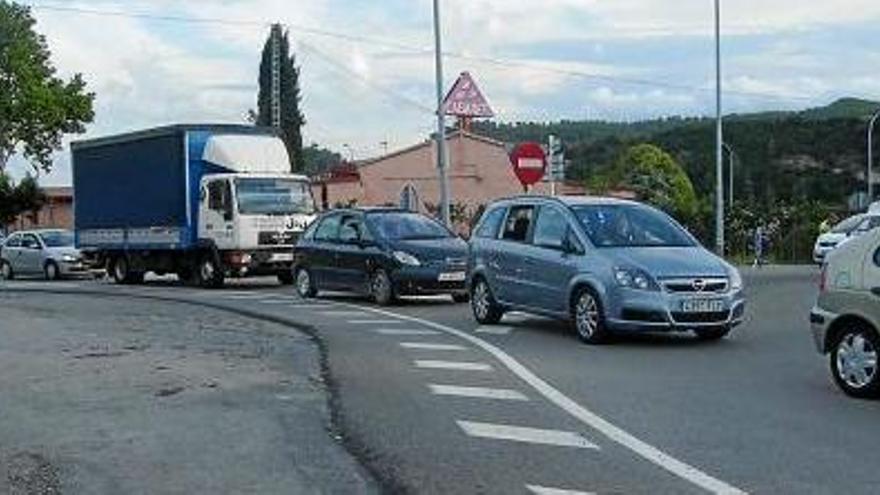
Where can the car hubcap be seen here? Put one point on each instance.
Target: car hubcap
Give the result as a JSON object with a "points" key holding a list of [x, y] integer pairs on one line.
{"points": [[119, 270], [856, 360], [207, 270], [303, 282], [379, 285], [51, 269], [481, 300], [587, 315], [5, 271]]}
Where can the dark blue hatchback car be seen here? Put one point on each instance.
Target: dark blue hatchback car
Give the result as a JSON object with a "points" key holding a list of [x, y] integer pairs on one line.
{"points": [[382, 252]]}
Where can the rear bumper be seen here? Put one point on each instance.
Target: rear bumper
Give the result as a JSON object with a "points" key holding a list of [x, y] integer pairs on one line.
{"points": [[820, 321]]}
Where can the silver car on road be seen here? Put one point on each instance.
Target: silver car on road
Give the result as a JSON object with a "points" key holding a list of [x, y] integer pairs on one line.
{"points": [[49, 253]]}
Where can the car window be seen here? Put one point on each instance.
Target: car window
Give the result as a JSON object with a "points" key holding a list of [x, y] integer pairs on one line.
{"points": [[57, 238], [29, 241], [847, 226], [353, 229], [398, 226], [629, 225], [490, 223], [518, 223], [328, 230], [550, 228], [14, 241]]}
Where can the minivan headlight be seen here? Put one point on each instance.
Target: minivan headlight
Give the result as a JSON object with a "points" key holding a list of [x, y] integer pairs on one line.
{"points": [[736, 281], [406, 258], [633, 278]]}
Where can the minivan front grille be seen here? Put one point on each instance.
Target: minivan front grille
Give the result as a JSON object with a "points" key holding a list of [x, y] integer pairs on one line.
{"points": [[695, 285], [712, 317]]}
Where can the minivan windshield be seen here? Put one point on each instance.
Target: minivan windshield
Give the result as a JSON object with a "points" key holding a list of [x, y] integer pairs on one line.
{"points": [[398, 226], [60, 238], [258, 196], [848, 225], [625, 225]]}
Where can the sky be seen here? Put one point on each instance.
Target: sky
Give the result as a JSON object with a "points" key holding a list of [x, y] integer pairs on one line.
{"points": [[368, 71]]}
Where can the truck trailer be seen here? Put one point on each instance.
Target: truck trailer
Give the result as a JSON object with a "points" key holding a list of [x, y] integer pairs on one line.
{"points": [[205, 202]]}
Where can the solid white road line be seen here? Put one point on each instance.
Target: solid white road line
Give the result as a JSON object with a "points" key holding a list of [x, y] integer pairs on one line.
{"points": [[526, 435], [614, 433], [493, 330], [405, 331], [374, 322], [432, 347], [477, 392], [543, 490], [275, 301], [452, 365], [343, 313]]}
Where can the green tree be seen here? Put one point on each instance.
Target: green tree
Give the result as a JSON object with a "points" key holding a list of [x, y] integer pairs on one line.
{"points": [[25, 197], [292, 118], [36, 107]]}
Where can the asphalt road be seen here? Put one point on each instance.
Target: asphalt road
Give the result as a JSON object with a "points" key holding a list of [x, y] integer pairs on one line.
{"points": [[434, 404]]}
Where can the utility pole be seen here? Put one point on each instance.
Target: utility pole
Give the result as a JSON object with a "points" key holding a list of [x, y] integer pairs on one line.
{"points": [[871, 156], [441, 121], [731, 157], [275, 97], [719, 139]]}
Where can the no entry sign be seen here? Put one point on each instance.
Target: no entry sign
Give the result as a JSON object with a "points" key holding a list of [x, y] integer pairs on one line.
{"points": [[529, 163]]}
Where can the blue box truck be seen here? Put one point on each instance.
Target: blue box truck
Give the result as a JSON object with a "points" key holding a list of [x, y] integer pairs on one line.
{"points": [[205, 202]]}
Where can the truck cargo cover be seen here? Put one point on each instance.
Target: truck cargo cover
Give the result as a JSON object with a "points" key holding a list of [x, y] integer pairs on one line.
{"points": [[248, 154]]}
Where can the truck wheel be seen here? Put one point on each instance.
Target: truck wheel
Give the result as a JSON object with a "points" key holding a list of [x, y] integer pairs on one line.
{"points": [[285, 277], [50, 271], [119, 270], [209, 273]]}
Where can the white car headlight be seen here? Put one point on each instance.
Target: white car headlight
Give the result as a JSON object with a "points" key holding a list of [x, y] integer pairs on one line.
{"points": [[736, 281], [68, 258], [406, 258], [633, 278]]}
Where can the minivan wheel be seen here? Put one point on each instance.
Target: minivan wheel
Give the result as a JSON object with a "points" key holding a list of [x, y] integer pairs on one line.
{"points": [[6, 272], [304, 285], [381, 288], [587, 317], [486, 310], [50, 271], [854, 361]]}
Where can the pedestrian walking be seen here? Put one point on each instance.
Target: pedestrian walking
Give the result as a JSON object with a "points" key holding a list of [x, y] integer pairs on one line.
{"points": [[759, 244]]}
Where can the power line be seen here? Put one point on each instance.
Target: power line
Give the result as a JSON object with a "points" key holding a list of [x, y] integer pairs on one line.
{"points": [[422, 51]]}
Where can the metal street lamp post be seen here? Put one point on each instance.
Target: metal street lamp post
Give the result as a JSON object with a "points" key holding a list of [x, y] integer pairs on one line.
{"points": [[441, 124], [731, 155], [871, 156], [719, 139]]}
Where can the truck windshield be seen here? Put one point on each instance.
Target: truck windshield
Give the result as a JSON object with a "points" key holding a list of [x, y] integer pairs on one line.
{"points": [[274, 197]]}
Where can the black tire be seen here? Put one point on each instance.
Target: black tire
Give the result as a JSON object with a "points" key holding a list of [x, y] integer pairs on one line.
{"points": [[712, 333], [285, 277], [588, 317], [461, 297], [485, 308], [845, 365], [51, 271], [185, 275], [120, 271], [209, 273], [6, 271], [305, 285], [382, 288]]}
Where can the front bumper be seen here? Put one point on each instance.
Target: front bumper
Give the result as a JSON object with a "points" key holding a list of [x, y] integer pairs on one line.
{"points": [[74, 268], [426, 280], [259, 262], [643, 311], [820, 321]]}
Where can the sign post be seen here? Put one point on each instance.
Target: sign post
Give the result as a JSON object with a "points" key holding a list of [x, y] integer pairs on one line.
{"points": [[529, 163]]}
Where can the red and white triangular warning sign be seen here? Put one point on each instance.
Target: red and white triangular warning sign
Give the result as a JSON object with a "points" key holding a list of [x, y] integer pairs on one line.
{"points": [[466, 100]]}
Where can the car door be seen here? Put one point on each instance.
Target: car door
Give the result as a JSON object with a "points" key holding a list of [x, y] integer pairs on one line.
{"points": [[515, 235], [31, 256], [322, 252], [353, 253], [12, 252], [484, 245], [217, 214], [549, 263]]}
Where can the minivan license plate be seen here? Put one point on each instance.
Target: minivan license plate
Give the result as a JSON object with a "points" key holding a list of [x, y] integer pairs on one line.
{"points": [[452, 277], [702, 306]]}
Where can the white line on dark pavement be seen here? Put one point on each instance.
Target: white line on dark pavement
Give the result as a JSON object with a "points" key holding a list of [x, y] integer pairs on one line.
{"points": [[452, 365], [405, 331], [493, 330], [344, 313], [543, 490], [613, 432], [526, 435], [477, 392], [432, 347], [374, 322]]}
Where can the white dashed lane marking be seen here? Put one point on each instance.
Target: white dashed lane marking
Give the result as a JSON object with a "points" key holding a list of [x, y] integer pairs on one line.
{"points": [[405, 331], [543, 490], [493, 330], [432, 347], [452, 365], [526, 435], [477, 392]]}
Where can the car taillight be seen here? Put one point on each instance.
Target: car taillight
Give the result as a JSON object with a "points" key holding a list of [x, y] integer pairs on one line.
{"points": [[823, 278]]}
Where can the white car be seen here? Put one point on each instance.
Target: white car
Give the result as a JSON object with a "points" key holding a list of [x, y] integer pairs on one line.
{"points": [[846, 318], [850, 227]]}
